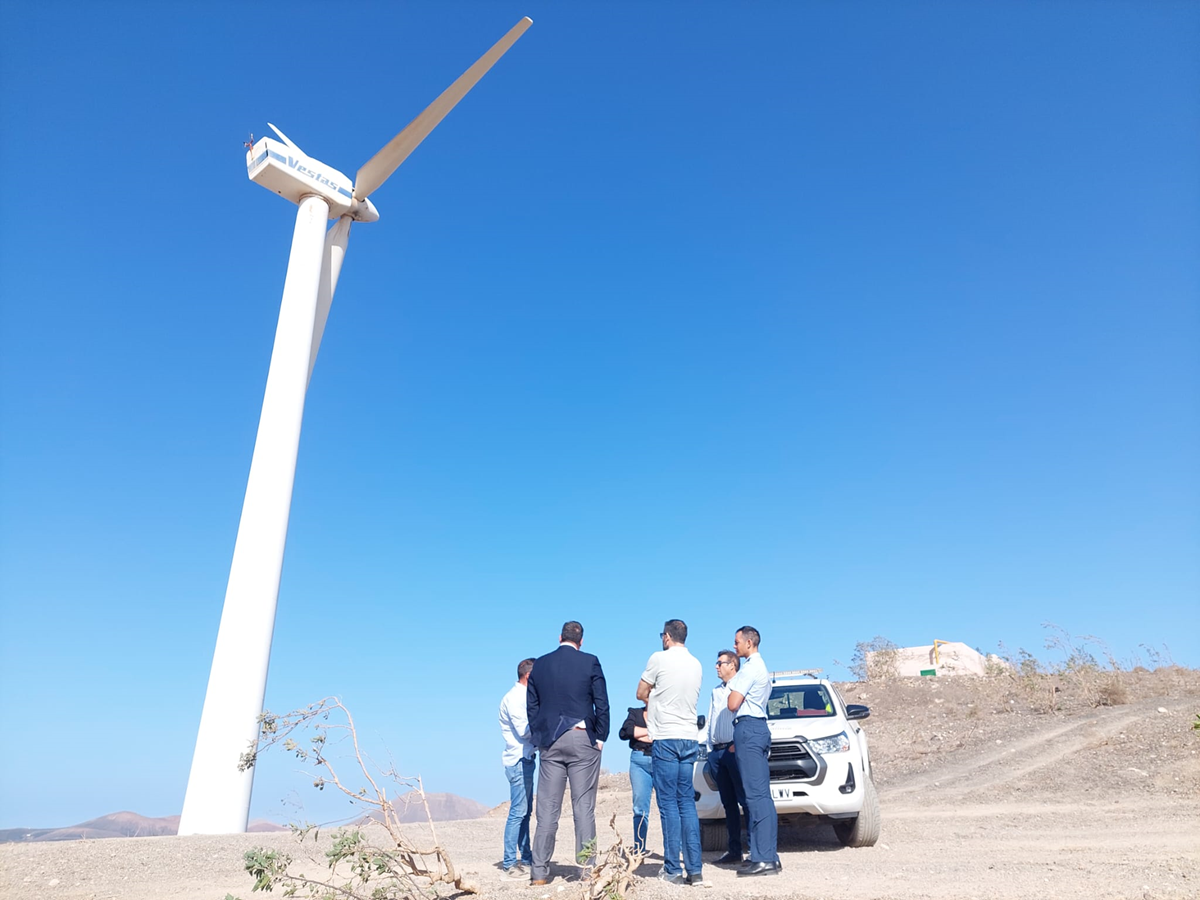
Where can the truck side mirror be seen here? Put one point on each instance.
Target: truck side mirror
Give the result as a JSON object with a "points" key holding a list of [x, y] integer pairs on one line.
{"points": [[857, 711], [699, 722]]}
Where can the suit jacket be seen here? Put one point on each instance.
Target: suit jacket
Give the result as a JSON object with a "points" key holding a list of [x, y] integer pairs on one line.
{"points": [[565, 688]]}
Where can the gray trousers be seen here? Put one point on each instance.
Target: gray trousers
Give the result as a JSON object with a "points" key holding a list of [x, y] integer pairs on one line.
{"points": [[571, 758]]}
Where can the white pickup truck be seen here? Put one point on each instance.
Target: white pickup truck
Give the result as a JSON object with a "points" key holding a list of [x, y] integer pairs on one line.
{"points": [[819, 763]]}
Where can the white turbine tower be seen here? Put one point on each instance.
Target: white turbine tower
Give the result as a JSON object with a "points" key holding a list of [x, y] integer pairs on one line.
{"points": [[218, 795]]}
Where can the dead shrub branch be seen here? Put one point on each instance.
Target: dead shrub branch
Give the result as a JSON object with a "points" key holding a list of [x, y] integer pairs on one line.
{"points": [[359, 867]]}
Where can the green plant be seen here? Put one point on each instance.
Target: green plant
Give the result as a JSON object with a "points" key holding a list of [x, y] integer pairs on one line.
{"points": [[586, 852]]}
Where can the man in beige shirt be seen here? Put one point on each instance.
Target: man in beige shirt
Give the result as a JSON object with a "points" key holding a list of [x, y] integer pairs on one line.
{"points": [[671, 686]]}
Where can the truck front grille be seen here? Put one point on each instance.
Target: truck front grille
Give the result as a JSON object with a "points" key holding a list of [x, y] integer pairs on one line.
{"points": [[790, 761], [789, 750]]}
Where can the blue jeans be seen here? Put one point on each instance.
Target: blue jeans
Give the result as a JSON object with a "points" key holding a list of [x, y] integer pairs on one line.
{"points": [[753, 742], [673, 761], [642, 782], [516, 829]]}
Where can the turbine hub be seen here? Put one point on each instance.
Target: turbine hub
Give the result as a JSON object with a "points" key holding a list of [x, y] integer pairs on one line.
{"points": [[364, 211]]}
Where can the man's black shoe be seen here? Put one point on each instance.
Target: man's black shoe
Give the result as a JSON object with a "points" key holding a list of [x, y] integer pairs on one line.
{"points": [[761, 868], [728, 859]]}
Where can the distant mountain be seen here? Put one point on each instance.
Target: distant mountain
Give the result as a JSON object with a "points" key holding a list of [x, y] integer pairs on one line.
{"points": [[114, 825], [442, 807]]}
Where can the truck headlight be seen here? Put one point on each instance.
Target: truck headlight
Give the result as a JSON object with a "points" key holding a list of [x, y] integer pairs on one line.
{"points": [[839, 743]]}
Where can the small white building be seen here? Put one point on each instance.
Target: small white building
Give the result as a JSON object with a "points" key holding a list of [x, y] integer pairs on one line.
{"points": [[939, 658]]}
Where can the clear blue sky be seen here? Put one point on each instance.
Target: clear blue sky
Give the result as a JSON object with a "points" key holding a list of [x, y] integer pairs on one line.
{"points": [[836, 319]]}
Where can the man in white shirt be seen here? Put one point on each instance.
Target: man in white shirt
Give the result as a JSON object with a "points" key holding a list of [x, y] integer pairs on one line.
{"points": [[670, 686], [518, 768], [722, 760], [749, 691]]}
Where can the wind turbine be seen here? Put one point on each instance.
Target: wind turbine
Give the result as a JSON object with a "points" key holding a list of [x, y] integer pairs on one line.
{"points": [[218, 795]]}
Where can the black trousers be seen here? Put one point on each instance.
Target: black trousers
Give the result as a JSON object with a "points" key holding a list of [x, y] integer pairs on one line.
{"points": [[724, 768], [753, 743]]}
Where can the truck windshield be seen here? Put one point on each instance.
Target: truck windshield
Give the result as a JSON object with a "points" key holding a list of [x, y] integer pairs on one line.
{"points": [[791, 700]]}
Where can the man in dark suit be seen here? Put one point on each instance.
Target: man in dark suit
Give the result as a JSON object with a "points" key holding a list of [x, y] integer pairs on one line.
{"points": [[567, 702]]}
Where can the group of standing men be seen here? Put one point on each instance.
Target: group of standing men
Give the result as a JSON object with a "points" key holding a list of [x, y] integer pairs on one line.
{"points": [[559, 709]]}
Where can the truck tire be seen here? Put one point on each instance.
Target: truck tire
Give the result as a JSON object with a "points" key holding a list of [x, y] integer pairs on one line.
{"points": [[863, 830], [714, 835]]}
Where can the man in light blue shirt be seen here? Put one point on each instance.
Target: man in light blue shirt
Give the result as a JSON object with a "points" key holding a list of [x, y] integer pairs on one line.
{"points": [[749, 691]]}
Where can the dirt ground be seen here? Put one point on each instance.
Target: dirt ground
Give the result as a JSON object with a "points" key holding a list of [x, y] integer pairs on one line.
{"points": [[986, 793]]}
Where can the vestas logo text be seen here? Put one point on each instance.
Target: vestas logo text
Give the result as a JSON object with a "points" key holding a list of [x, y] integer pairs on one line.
{"points": [[294, 163]]}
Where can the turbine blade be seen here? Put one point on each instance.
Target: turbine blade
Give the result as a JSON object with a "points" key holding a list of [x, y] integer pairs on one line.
{"points": [[283, 137], [331, 267], [379, 167]]}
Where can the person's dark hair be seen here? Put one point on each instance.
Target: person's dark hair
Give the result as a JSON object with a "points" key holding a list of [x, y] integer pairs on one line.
{"points": [[729, 654], [571, 631], [676, 630], [524, 667], [750, 633]]}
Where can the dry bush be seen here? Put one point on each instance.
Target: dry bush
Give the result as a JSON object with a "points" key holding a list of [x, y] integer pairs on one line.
{"points": [[1158, 659], [1037, 687], [611, 873], [875, 660], [1112, 692], [1096, 684], [360, 868], [1077, 677]]}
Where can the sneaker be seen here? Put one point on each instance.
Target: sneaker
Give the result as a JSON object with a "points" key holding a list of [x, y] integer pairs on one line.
{"points": [[516, 871], [672, 879], [698, 881]]}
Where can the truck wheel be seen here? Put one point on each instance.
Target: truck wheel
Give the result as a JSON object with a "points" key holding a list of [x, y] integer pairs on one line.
{"points": [[714, 835], [863, 830]]}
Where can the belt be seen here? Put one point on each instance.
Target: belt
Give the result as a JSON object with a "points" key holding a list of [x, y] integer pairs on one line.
{"points": [[740, 718], [724, 746]]}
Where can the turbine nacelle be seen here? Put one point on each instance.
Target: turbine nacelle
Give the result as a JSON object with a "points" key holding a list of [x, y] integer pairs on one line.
{"points": [[287, 171]]}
